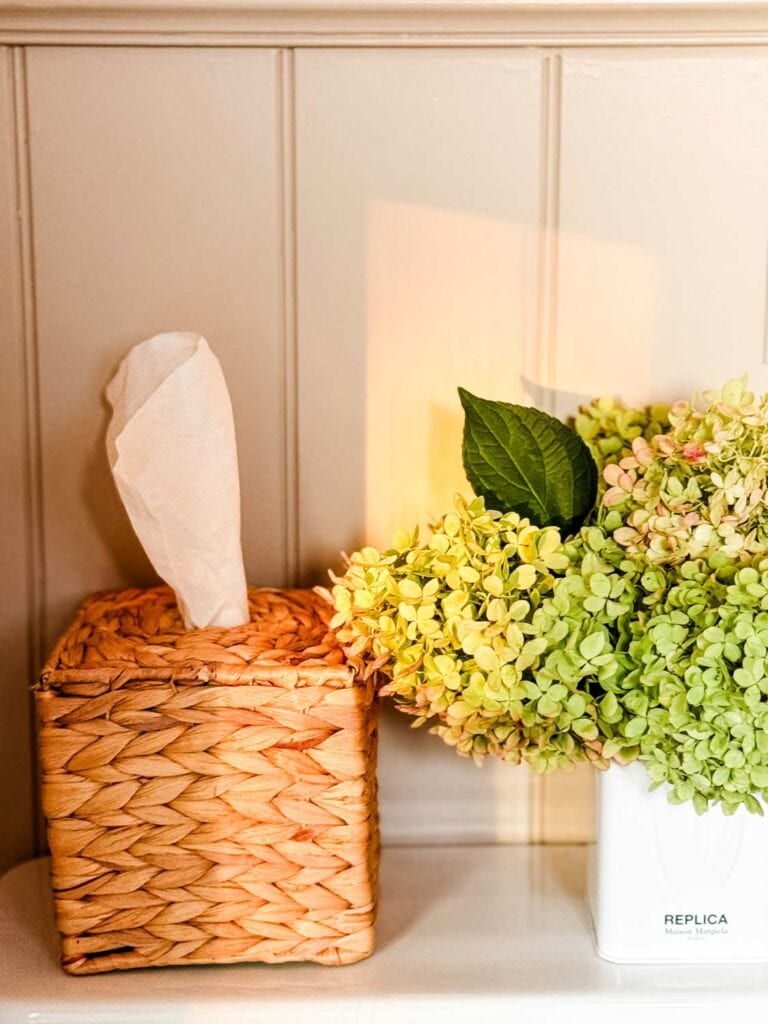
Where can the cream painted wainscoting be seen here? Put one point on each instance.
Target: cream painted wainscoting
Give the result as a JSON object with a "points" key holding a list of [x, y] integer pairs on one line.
{"points": [[358, 219], [18, 618]]}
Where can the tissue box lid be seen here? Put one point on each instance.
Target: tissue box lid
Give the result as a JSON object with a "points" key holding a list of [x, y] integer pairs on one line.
{"points": [[132, 637]]}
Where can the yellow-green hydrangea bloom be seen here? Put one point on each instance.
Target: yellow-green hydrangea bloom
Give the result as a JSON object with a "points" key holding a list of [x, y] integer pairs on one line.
{"points": [[486, 631]]}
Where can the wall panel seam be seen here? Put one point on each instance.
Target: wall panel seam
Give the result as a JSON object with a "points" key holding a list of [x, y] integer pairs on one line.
{"points": [[287, 185], [33, 498], [549, 228], [543, 361]]}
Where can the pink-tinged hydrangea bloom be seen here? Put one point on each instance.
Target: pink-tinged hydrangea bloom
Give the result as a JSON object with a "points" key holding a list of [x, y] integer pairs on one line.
{"points": [[697, 486], [695, 453]]}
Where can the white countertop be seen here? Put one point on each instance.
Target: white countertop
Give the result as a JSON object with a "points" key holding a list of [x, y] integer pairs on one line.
{"points": [[465, 933]]}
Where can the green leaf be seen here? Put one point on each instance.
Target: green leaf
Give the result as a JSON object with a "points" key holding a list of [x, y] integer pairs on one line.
{"points": [[523, 460]]}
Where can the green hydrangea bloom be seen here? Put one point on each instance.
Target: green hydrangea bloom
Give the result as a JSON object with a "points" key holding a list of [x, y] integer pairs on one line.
{"points": [[484, 631], [693, 706], [644, 637]]}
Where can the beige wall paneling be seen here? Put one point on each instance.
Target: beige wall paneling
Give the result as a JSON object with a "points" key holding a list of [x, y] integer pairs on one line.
{"points": [[417, 220], [491, 23], [157, 191], [18, 610], [660, 282], [162, 189]]}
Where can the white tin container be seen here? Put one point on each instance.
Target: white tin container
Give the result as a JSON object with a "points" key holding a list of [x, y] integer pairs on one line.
{"points": [[669, 886]]}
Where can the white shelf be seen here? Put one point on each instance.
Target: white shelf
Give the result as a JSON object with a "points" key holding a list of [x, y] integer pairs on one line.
{"points": [[465, 933]]}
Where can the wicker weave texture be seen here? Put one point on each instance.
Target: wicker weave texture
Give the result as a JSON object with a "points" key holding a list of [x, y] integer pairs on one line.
{"points": [[210, 796]]}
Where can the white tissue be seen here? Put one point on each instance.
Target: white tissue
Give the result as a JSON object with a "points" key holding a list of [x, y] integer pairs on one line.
{"points": [[171, 445]]}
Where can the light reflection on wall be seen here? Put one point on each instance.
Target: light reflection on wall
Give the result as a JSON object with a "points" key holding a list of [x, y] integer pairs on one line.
{"points": [[441, 310], [440, 313]]}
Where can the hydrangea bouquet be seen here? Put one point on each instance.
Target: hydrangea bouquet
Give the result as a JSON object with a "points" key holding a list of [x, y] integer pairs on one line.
{"points": [[603, 597]]}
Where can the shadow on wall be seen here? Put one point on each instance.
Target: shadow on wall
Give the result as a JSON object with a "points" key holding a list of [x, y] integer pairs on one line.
{"points": [[109, 518], [429, 794]]}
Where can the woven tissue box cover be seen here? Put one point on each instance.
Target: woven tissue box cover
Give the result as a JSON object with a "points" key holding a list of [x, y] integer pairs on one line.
{"points": [[211, 795]]}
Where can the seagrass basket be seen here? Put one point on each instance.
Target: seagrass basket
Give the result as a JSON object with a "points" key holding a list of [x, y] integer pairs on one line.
{"points": [[211, 795]]}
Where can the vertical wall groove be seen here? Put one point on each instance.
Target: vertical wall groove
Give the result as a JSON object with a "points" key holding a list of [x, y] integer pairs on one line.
{"points": [[546, 319], [549, 225], [33, 498], [287, 179]]}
